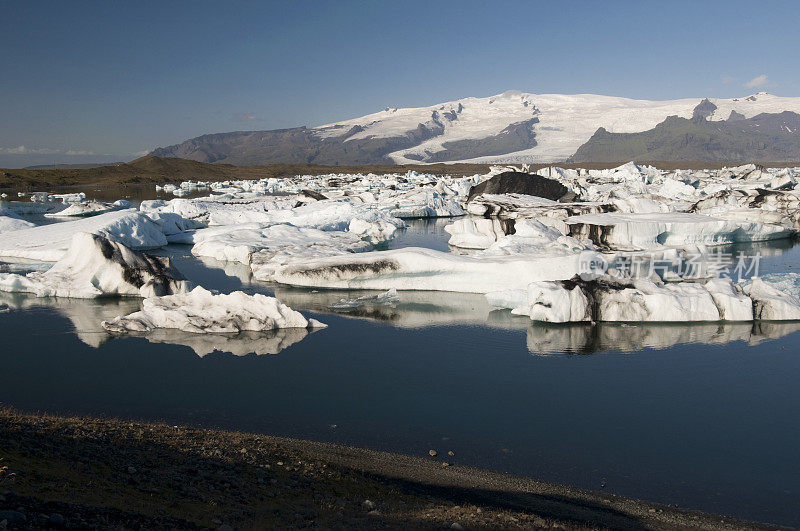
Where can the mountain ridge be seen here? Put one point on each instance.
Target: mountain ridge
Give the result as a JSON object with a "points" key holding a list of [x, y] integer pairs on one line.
{"points": [[511, 127]]}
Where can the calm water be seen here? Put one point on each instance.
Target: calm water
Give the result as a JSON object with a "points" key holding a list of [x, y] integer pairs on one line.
{"points": [[702, 416]]}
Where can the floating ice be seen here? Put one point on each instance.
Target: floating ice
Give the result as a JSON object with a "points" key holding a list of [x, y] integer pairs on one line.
{"points": [[95, 266], [646, 231], [771, 303], [84, 209], [644, 300], [10, 221], [49, 243], [200, 311], [424, 204], [267, 247], [415, 268]]}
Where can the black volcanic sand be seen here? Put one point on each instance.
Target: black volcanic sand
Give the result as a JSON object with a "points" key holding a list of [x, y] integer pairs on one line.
{"points": [[89, 473]]}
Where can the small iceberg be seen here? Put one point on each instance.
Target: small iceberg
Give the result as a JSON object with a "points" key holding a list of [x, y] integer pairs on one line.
{"points": [[200, 312]]}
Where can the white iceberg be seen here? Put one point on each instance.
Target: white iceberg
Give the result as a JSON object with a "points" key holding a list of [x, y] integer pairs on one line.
{"points": [[770, 302], [49, 243], [423, 204], [642, 300], [95, 266], [416, 268], [200, 311], [10, 221], [366, 221], [628, 231], [84, 209], [476, 233], [267, 247]]}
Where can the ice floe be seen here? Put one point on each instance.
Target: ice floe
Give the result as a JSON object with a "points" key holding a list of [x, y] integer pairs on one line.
{"points": [[10, 221], [49, 243], [95, 266], [416, 268], [635, 300], [84, 208], [201, 311], [267, 247], [637, 231]]}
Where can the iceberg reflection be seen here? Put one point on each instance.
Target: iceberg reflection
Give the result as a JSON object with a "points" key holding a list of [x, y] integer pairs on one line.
{"points": [[241, 344], [591, 338], [87, 314]]}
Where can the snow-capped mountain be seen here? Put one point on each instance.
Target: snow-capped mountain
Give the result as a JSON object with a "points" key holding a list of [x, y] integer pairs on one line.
{"points": [[514, 126]]}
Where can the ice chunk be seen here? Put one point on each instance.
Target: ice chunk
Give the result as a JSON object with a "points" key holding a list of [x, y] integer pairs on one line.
{"points": [[84, 209], [647, 301], [630, 300], [533, 237], [771, 303], [366, 221], [555, 303], [95, 266], [646, 231], [732, 303], [476, 233], [266, 247], [424, 204], [200, 311], [49, 243], [415, 268], [9, 221]]}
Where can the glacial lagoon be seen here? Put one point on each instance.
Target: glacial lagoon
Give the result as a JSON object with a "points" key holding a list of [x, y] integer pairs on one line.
{"points": [[699, 415]]}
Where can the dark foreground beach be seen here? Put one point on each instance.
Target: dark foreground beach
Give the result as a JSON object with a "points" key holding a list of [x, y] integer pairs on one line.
{"points": [[83, 473]]}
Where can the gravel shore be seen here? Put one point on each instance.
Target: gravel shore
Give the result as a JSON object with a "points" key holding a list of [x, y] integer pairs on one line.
{"points": [[83, 473]]}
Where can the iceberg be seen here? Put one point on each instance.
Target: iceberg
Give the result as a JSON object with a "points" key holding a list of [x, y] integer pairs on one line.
{"points": [[199, 311], [642, 300], [476, 233], [83, 209], [416, 268], [771, 303], [267, 247], [365, 221], [49, 243], [423, 204], [629, 231], [95, 266]]}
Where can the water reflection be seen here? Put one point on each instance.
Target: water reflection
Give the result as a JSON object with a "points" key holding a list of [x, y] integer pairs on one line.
{"points": [[423, 309], [543, 339], [241, 344], [85, 314]]}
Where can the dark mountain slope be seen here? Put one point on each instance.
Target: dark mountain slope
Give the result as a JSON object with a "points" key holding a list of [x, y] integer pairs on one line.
{"points": [[768, 136]]}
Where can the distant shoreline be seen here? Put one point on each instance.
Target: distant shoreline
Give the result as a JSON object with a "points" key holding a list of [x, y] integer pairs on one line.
{"points": [[155, 170], [95, 473]]}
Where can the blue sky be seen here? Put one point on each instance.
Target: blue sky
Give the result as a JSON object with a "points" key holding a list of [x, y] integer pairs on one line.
{"points": [[105, 80]]}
